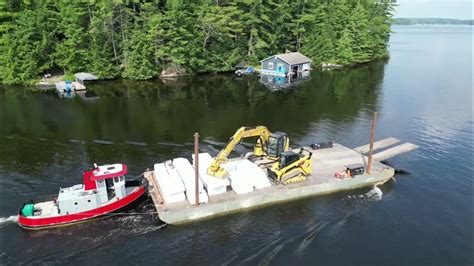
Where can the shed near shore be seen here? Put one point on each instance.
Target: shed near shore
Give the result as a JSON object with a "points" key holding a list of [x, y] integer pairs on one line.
{"points": [[285, 64]]}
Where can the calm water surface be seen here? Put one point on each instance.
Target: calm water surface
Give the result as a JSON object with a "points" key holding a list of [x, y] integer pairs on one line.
{"points": [[423, 93]]}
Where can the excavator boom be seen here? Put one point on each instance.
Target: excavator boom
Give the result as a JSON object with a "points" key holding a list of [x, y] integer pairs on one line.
{"points": [[260, 149]]}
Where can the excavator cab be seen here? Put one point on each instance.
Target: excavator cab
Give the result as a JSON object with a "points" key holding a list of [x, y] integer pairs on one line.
{"points": [[277, 143]]}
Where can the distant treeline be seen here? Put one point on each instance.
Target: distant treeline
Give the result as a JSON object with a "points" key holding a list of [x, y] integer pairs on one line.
{"points": [[440, 21], [138, 39]]}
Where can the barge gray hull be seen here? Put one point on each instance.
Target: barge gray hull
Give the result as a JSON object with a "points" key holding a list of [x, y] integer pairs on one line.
{"points": [[322, 181]]}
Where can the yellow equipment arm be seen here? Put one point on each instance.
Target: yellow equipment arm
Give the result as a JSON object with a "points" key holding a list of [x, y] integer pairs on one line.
{"points": [[215, 168]]}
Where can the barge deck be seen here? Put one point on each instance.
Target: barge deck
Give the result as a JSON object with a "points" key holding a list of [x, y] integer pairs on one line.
{"points": [[325, 163]]}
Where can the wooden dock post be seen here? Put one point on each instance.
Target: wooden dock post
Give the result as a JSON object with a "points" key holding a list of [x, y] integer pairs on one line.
{"points": [[371, 147], [196, 167]]}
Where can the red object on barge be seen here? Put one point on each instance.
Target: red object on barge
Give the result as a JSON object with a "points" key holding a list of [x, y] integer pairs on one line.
{"points": [[104, 192]]}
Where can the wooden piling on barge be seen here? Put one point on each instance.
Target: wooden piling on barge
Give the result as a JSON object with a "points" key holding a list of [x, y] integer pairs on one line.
{"points": [[371, 145]]}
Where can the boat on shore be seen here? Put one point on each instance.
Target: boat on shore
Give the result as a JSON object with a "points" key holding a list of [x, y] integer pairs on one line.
{"points": [[105, 192]]}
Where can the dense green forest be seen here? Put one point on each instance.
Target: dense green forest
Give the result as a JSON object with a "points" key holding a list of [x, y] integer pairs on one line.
{"points": [[139, 39], [436, 21]]}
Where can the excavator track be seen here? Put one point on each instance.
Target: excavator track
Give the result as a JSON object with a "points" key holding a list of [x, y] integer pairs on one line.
{"points": [[294, 179]]}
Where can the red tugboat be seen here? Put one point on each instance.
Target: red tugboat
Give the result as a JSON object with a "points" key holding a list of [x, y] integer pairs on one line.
{"points": [[105, 191]]}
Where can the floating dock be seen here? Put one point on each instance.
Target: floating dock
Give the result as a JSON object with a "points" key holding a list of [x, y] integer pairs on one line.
{"points": [[325, 163]]}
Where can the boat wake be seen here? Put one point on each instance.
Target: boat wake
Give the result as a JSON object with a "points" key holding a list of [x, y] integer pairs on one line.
{"points": [[375, 194], [7, 220], [311, 234]]}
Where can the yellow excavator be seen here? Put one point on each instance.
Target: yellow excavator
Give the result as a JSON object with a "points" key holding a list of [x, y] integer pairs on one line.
{"points": [[291, 167], [269, 145]]}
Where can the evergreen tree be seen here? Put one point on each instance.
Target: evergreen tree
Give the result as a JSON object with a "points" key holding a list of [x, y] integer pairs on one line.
{"points": [[138, 39], [140, 50], [381, 14], [217, 29], [27, 46], [359, 27], [319, 41], [344, 53], [255, 16], [71, 52], [302, 18], [277, 36], [172, 31], [101, 56]]}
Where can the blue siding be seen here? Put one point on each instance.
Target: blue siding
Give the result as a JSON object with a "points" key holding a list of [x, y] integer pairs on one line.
{"points": [[276, 61]]}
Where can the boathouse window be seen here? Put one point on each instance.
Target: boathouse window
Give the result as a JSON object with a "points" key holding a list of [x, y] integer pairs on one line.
{"points": [[270, 65]]}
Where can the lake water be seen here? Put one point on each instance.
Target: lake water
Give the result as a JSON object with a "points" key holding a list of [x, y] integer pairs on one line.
{"points": [[423, 94]]}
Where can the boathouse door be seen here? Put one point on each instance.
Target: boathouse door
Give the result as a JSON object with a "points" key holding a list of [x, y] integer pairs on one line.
{"points": [[294, 69]]}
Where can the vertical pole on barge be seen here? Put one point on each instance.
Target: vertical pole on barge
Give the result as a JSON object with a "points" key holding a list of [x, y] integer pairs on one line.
{"points": [[196, 167], [371, 146]]}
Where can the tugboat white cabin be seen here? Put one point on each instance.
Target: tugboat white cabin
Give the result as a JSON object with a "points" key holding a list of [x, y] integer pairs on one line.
{"points": [[101, 185]]}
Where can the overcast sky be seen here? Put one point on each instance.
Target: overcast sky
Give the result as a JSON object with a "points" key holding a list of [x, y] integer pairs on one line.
{"points": [[459, 9]]}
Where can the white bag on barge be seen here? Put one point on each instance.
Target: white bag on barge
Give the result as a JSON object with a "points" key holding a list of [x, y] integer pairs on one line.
{"points": [[258, 177], [170, 182], [245, 175], [186, 172], [240, 182], [214, 185]]}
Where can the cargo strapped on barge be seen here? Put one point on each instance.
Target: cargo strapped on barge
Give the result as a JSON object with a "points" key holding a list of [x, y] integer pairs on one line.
{"points": [[329, 175]]}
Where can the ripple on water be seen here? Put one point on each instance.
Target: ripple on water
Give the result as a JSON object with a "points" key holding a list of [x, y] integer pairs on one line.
{"points": [[170, 144], [105, 142], [311, 234], [136, 143]]}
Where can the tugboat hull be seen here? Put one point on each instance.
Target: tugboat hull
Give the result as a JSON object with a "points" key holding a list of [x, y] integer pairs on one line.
{"points": [[32, 223]]}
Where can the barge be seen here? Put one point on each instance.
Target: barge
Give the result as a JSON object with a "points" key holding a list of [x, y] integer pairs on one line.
{"points": [[249, 181]]}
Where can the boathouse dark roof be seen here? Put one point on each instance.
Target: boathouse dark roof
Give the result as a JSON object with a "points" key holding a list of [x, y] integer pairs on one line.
{"points": [[294, 58]]}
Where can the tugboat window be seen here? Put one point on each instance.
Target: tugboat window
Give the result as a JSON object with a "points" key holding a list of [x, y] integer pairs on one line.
{"points": [[75, 203]]}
